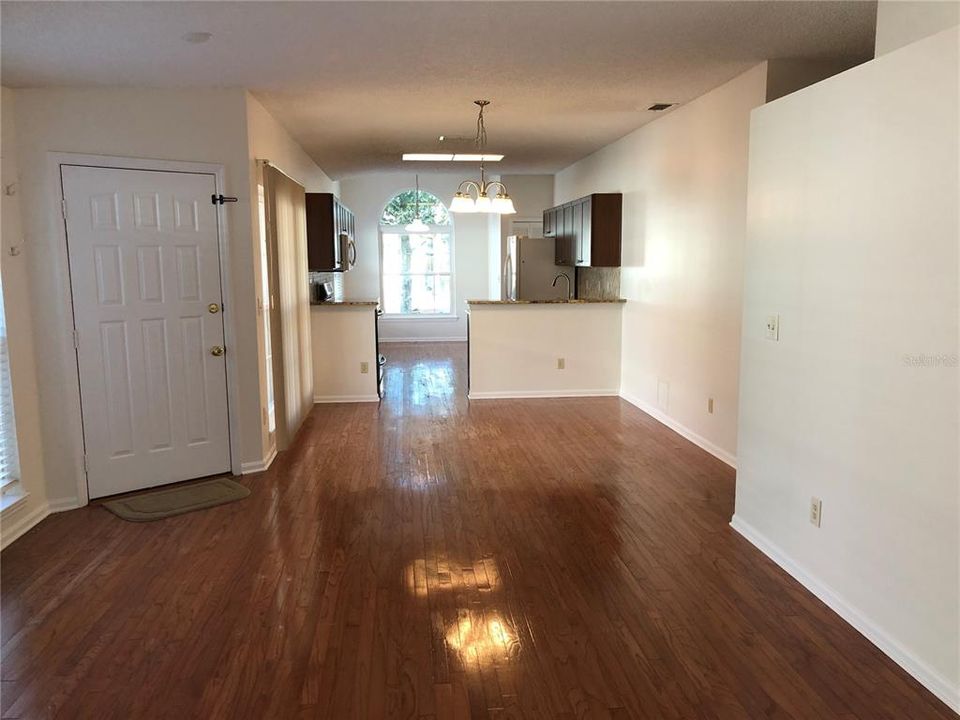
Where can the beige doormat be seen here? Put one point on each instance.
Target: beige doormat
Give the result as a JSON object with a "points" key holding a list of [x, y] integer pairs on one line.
{"points": [[167, 502]]}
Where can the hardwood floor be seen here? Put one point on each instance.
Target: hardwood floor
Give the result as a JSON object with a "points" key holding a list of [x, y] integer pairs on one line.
{"points": [[434, 558]]}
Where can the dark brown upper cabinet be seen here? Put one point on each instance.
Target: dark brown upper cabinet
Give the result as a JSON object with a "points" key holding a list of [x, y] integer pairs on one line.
{"points": [[549, 223], [331, 232], [586, 232]]}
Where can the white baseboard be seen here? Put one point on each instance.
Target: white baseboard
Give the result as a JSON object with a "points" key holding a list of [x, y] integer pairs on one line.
{"points": [[325, 399], [686, 432], [259, 465], [62, 504], [422, 339], [923, 673], [19, 519], [508, 394], [17, 523]]}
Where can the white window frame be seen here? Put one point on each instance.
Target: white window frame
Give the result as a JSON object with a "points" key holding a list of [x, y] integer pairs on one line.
{"points": [[434, 230]]}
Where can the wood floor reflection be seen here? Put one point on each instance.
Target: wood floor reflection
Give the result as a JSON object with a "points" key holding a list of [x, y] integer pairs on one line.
{"points": [[434, 558]]}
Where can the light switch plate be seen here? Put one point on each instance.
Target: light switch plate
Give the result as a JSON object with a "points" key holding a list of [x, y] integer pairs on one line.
{"points": [[364, 368], [773, 327]]}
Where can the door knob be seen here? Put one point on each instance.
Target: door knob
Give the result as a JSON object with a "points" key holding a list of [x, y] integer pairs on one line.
{"points": [[217, 350], [213, 308]]}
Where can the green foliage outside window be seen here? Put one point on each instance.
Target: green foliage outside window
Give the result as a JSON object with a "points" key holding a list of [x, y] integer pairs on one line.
{"points": [[402, 209]]}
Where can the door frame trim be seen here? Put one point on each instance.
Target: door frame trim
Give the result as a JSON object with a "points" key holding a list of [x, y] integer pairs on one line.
{"points": [[55, 161]]}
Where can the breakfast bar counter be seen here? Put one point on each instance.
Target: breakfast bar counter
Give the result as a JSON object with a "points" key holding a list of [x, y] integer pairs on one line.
{"points": [[551, 301], [543, 348]]}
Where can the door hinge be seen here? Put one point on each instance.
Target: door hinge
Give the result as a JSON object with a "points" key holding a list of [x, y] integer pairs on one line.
{"points": [[76, 339], [221, 199], [63, 208], [86, 464]]}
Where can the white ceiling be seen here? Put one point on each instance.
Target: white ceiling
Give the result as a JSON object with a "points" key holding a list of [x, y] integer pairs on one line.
{"points": [[357, 83]]}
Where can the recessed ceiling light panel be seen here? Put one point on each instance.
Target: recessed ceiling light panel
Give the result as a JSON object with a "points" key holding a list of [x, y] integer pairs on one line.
{"points": [[428, 157], [461, 157], [447, 157]]}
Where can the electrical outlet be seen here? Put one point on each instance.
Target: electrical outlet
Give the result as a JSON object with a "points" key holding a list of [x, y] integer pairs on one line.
{"points": [[364, 368], [773, 327], [561, 363], [710, 405], [816, 511]]}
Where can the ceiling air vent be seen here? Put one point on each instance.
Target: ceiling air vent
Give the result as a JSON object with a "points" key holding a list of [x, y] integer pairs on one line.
{"points": [[659, 107]]}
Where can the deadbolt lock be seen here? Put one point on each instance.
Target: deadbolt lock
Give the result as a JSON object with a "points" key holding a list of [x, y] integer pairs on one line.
{"points": [[213, 308], [217, 350]]}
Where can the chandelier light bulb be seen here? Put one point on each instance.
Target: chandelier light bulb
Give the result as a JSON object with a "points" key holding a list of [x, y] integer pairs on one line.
{"points": [[503, 205], [462, 203]]}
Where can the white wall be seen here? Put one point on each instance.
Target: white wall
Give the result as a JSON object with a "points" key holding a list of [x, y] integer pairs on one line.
{"points": [[514, 350], [194, 125], [684, 183], [853, 239], [366, 196], [901, 22], [226, 127], [20, 344], [268, 140], [343, 337]]}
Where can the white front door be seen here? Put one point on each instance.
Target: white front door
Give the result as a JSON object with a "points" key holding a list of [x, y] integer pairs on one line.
{"points": [[145, 276]]}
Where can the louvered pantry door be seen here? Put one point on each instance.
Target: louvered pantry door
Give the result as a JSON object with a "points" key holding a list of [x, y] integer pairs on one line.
{"points": [[145, 278]]}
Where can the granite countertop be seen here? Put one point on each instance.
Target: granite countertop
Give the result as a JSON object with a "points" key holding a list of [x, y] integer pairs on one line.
{"points": [[558, 301], [346, 303]]}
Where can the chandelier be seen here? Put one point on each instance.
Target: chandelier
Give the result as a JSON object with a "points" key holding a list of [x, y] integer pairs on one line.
{"points": [[463, 200]]}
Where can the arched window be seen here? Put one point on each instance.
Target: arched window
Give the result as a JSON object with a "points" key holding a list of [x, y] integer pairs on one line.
{"points": [[416, 265]]}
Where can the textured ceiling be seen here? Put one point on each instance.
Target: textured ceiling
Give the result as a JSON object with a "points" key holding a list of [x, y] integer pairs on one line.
{"points": [[357, 83]]}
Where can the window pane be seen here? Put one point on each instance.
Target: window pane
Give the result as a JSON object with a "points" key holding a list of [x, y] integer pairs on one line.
{"points": [[421, 253], [421, 294], [391, 253], [441, 257], [416, 271], [443, 294], [391, 294]]}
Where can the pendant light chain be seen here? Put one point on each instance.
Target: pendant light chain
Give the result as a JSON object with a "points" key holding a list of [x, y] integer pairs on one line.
{"points": [[416, 212], [463, 201], [417, 225], [481, 140]]}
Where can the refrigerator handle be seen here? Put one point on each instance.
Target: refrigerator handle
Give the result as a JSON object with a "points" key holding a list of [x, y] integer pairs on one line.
{"points": [[507, 277]]}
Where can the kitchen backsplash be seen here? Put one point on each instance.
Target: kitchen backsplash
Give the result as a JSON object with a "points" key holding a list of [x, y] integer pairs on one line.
{"points": [[331, 277], [598, 283]]}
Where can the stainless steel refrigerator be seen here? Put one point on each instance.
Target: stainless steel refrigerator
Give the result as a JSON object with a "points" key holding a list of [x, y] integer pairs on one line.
{"points": [[529, 270]]}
